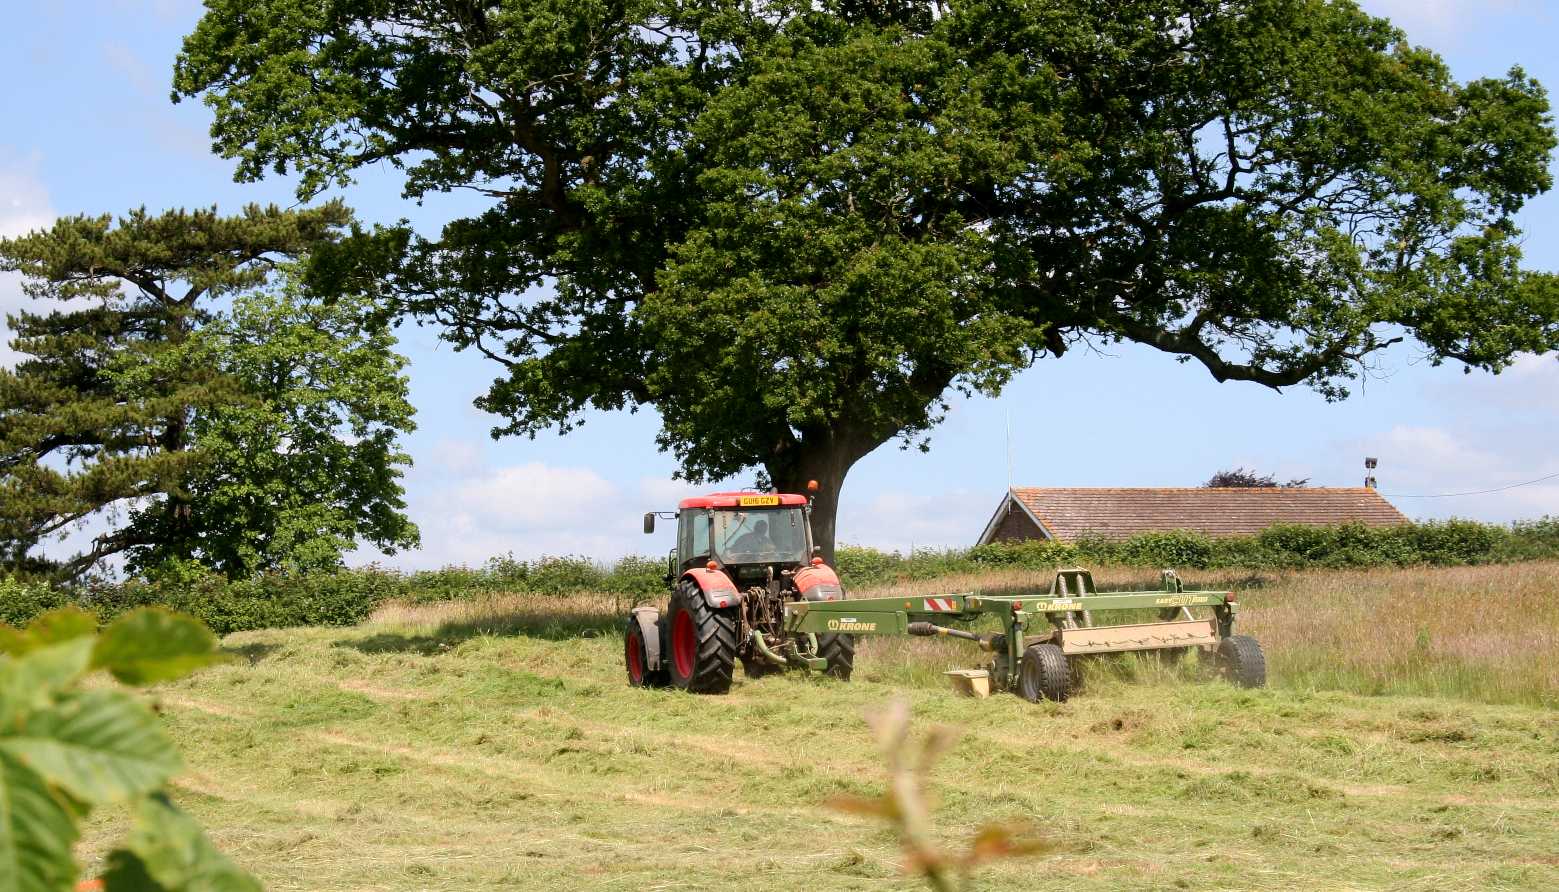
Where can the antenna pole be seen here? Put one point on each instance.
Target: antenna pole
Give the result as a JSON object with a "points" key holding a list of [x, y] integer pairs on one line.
{"points": [[1009, 449]]}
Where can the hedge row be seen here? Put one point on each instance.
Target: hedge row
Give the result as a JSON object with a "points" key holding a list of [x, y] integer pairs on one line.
{"points": [[349, 596], [342, 598]]}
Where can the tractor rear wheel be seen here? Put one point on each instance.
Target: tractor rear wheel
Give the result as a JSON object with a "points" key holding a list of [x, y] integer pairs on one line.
{"points": [[640, 675], [702, 642], [1043, 674], [1241, 661], [839, 651]]}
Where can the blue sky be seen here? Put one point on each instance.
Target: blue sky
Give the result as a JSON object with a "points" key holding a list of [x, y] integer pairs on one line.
{"points": [[86, 127]]}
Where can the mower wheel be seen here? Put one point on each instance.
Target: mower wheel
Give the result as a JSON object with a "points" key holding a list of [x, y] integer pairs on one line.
{"points": [[1241, 661], [1043, 674], [702, 642], [839, 651], [637, 656]]}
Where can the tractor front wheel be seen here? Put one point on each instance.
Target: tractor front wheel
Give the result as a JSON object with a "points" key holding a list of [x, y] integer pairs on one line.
{"points": [[839, 651], [1241, 661], [702, 642], [640, 675], [1043, 674]]}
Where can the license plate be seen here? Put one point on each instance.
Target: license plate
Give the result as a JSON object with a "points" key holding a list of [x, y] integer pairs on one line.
{"points": [[752, 501]]}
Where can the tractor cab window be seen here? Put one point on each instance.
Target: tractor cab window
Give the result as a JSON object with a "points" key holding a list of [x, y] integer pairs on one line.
{"points": [[693, 537], [761, 536]]}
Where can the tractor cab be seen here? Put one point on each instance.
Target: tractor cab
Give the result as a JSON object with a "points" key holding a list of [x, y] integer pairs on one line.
{"points": [[744, 534]]}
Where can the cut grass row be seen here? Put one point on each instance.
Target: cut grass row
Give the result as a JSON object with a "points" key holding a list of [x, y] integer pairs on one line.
{"points": [[490, 744]]}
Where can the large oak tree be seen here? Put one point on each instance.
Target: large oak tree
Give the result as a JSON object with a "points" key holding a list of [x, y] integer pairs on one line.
{"points": [[794, 228]]}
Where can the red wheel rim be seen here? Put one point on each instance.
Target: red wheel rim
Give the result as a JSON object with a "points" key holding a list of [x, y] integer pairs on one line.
{"points": [[635, 658], [684, 643]]}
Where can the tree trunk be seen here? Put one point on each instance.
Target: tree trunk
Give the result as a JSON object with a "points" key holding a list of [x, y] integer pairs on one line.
{"points": [[826, 460]]}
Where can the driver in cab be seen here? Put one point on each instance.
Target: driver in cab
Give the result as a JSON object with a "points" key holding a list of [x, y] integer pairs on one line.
{"points": [[755, 540]]}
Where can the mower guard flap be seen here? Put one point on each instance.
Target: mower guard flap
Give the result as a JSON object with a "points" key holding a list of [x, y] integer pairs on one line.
{"points": [[1141, 636]]}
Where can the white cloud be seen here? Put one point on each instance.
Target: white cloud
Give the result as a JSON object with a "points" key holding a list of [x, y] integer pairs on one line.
{"points": [[1419, 461], [536, 496], [24, 202], [165, 10], [900, 520], [461, 458], [1447, 21], [1530, 383], [469, 512], [24, 207], [136, 72], [663, 493]]}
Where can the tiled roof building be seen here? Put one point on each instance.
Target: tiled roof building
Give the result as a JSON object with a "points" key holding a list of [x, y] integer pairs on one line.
{"points": [[1117, 513]]}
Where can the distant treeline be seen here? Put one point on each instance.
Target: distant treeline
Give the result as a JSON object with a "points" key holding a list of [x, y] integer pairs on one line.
{"points": [[348, 596]]}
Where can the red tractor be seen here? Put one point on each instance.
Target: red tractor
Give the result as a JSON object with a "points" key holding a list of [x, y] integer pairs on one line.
{"points": [[740, 557]]}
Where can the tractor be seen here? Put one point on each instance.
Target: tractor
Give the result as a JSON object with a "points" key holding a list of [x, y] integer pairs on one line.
{"points": [[740, 558]]}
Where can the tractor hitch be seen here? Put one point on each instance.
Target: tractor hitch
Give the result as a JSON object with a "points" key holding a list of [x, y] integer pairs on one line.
{"points": [[789, 655]]}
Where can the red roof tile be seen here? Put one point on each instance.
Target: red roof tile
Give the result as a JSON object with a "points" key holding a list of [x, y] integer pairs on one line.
{"points": [[1116, 513]]}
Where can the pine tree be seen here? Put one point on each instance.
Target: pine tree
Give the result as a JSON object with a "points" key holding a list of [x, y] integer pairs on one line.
{"points": [[120, 413]]}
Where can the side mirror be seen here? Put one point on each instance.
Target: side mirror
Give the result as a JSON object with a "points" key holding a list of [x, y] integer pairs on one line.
{"points": [[649, 522]]}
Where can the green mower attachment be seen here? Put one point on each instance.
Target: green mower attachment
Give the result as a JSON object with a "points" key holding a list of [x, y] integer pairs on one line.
{"points": [[1041, 633]]}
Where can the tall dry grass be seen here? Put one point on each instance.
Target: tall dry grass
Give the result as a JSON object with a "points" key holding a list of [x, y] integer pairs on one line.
{"points": [[1487, 633]]}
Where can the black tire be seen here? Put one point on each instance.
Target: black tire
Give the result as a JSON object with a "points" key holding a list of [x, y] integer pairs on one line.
{"points": [[702, 644], [636, 655], [1241, 661], [839, 651], [1043, 674]]}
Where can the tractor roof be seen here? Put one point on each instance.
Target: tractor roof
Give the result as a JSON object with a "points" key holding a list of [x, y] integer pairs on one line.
{"points": [[742, 500]]}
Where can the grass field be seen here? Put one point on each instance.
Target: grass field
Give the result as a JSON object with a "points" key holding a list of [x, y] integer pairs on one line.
{"points": [[1410, 740]]}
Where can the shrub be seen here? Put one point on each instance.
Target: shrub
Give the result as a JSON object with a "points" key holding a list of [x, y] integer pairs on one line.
{"points": [[1174, 548], [1530, 540], [563, 575], [859, 566], [636, 576], [1457, 542]]}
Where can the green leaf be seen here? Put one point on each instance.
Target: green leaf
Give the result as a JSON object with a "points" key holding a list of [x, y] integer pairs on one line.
{"points": [[36, 832], [28, 682], [177, 855], [61, 625], [54, 627], [100, 746], [151, 644], [127, 873]]}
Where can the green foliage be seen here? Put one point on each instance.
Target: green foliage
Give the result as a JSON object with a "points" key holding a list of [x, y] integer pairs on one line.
{"points": [[1174, 548], [1295, 546], [793, 228], [21, 601], [66, 750], [309, 462], [189, 395]]}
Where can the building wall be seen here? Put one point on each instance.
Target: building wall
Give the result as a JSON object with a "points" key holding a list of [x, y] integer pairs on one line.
{"points": [[1016, 527]]}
